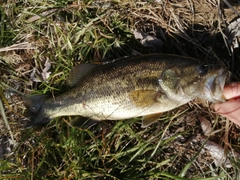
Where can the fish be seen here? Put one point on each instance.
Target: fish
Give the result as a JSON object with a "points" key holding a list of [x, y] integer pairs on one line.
{"points": [[138, 86]]}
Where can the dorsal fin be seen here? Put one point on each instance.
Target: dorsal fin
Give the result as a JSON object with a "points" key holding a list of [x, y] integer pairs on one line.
{"points": [[78, 72]]}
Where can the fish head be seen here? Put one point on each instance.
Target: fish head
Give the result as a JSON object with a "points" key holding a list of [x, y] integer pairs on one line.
{"points": [[212, 79], [195, 80]]}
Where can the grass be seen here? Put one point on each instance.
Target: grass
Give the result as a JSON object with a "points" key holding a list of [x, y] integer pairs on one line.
{"points": [[42, 40]]}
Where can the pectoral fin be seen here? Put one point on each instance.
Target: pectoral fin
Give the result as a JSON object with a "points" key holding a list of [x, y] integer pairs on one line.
{"points": [[144, 98], [150, 119]]}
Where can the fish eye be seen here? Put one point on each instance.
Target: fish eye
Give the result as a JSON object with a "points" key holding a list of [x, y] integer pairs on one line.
{"points": [[203, 69]]}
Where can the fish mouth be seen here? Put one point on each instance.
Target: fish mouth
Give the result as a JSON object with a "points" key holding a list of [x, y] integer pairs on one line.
{"points": [[215, 84], [224, 77]]}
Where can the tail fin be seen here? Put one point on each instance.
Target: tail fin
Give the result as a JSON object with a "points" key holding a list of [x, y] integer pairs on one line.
{"points": [[34, 110]]}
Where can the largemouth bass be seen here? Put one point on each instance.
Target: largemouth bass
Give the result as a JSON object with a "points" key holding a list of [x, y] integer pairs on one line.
{"points": [[143, 85]]}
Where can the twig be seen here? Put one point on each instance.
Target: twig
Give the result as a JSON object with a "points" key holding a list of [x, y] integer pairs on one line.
{"points": [[231, 7], [6, 121], [24, 45]]}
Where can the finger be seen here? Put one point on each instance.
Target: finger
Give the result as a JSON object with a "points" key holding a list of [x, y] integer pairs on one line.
{"points": [[235, 121], [232, 90], [230, 110]]}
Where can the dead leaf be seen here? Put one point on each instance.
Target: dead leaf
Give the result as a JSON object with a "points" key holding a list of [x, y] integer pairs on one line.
{"points": [[147, 40], [205, 125], [233, 33]]}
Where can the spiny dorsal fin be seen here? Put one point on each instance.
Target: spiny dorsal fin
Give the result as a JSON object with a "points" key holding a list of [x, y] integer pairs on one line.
{"points": [[78, 72], [150, 119]]}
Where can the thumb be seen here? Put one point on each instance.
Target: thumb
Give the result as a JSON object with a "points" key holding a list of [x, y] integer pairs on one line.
{"points": [[229, 109]]}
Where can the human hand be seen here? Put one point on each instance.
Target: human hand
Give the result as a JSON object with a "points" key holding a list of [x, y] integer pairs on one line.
{"points": [[231, 108]]}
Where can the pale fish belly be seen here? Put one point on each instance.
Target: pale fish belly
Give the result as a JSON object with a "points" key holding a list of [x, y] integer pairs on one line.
{"points": [[118, 111]]}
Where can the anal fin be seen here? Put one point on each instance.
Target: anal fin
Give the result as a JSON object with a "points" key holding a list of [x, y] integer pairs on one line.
{"points": [[82, 122]]}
